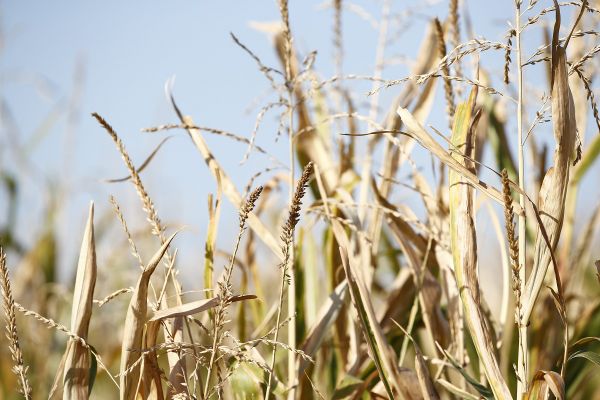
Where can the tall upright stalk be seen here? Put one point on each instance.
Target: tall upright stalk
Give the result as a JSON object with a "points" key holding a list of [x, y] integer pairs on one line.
{"points": [[8, 303], [287, 237], [225, 286], [289, 84], [522, 363], [292, 288]]}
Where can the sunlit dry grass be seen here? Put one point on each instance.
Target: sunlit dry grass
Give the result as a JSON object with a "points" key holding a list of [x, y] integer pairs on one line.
{"points": [[364, 295]]}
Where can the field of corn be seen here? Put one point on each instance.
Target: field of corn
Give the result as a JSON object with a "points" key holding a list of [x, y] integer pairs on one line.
{"points": [[359, 266]]}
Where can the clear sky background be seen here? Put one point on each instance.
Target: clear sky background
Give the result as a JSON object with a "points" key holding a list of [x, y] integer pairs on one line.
{"points": [[62, 60]]}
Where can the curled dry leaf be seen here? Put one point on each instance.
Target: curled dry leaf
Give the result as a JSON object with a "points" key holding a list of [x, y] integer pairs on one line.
{"points": [[195, 307], [553, 192], [151, 384], [134, 327], [73, 376], [544, 380]]}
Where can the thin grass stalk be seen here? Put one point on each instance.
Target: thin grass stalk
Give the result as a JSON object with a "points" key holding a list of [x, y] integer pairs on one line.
{"points": [[291, 299], [8, 303], [289, 84], [287, 237], [225, 286], [522, 360]]}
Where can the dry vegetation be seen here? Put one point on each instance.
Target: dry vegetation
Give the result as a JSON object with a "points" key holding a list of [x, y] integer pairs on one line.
{"points": [[366, 296]]}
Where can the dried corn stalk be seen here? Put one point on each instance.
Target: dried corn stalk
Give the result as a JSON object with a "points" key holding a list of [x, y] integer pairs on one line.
{"points": [[134, 328], [554, 186], [464, 245]]}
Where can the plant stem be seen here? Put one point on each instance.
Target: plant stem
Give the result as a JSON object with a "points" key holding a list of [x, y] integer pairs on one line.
{"points": [[289, 259], [276, 334], [219, 315], [292, 289], [292, 272], [522, 363]]}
